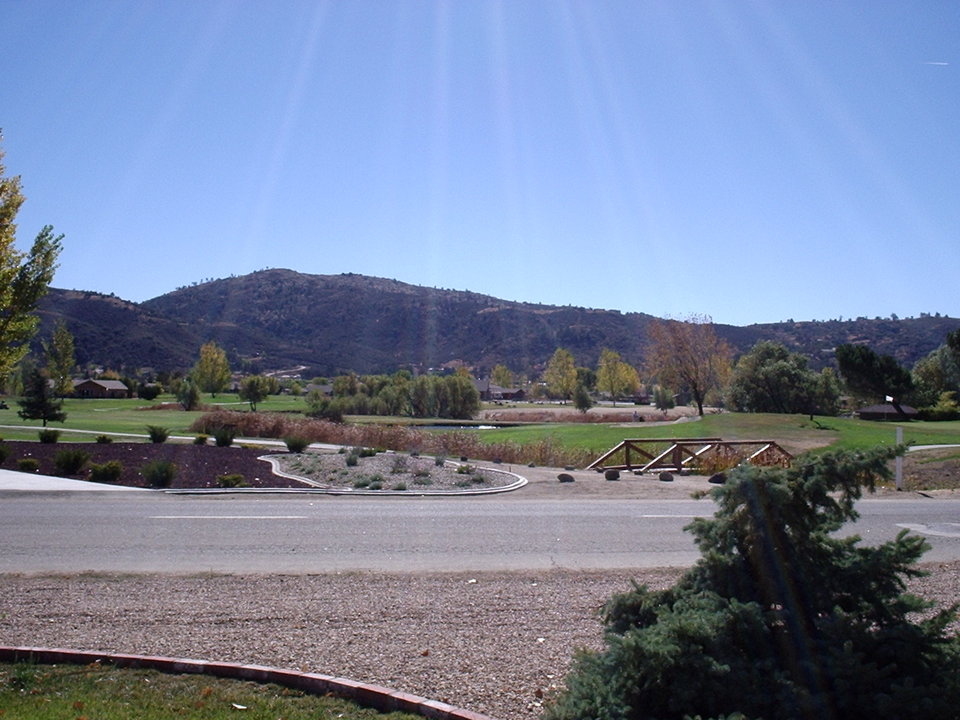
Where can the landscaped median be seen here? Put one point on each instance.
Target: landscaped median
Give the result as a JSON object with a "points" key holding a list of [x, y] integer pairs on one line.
{"points": [[365, 694]]}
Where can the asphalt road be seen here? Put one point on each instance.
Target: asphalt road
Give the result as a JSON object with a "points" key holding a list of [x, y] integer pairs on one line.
{"points": [[58, 532]]}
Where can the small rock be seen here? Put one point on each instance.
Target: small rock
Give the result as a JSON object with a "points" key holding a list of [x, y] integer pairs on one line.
{"points": [[666, 477], [565, 477], [718, 478]]}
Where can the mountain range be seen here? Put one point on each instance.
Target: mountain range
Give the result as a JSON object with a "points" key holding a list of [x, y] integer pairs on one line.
{"points": [[327, 324]]}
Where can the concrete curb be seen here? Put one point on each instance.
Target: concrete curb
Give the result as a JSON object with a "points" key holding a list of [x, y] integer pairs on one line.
{"points": [[374, 696]]}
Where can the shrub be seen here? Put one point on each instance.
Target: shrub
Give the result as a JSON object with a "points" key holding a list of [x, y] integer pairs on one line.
{"points": [[400, 486], [478, 479], [157, 434], [352, 460], [28, 464], [361, 482], [49, 436], [223, 437], [233, 480], [422, 480], [108, 472], [399, 464], [780, 618], [104, 440], [70, 461], [159, 473], [296, 443], [200, 440], [376, 485], [4, 453], [366, 451], [440, 461]]}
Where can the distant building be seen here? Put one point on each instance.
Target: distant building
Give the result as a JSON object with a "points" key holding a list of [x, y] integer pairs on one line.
{"points": [[888, 411], [488, 391], [99, 389]]}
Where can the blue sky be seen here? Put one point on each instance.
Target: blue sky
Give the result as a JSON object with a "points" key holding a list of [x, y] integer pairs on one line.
{"points": [[750, 160]]}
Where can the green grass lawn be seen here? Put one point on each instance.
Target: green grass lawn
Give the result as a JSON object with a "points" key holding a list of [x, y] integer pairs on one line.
{"points": [[53, 692], [130, 415], [795, 433]]}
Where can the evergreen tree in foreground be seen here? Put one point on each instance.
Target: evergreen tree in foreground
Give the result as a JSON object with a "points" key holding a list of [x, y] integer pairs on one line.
{"points": [[779, 619]]}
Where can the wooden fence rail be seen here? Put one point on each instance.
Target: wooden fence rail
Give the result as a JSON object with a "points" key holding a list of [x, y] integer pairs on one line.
{"points": [[712, 454]]}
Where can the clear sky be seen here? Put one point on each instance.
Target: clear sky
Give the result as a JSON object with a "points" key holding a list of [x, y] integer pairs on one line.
{"points": [[752, 160]]}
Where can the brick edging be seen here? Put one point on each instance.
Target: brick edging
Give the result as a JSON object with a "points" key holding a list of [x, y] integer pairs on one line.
{"points": [[374, 696]]}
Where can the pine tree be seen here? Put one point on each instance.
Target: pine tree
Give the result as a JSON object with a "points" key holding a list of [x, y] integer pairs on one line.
{"points": [[781, 618], [39, 401]]}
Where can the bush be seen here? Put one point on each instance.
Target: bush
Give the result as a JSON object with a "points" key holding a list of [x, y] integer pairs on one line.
{"points": [[223, 437], [376, 485], [48, 436], [352, 460], [70, 461], [200, 440], [398, 465], [28, 465], [361, 482], [399, 486], [440, 461], [159, 473], [157, 434], [104, 440], [233, 480], [108, 472], [780, 618], [296, 443], [4, 453]]}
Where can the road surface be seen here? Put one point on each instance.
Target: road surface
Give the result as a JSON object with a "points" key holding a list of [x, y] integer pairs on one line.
{"points": [[147, 532]]}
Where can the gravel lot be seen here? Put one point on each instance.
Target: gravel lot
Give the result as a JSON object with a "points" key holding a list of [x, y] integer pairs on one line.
{"points": [[495, 643]]}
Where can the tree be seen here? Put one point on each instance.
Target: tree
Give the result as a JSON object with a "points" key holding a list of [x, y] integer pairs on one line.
{"points": [[780, 618], [39, 401], [502, 376], [934, 375], [212, 371], [615, 377], [188, 394], [61, 359], [663, 398], [561, 374], [254, 389], [689, 356], [581, 398], [772, 379], [24, 277], [872, 376]]}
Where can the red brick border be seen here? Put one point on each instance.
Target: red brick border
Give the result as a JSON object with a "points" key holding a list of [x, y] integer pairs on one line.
{"points": [[374, 696]]}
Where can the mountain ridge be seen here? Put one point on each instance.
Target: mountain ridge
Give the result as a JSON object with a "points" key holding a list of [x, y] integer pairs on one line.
{"points": [[335, 323]]}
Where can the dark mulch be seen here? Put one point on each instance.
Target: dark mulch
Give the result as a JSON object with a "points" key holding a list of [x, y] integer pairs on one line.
{"points": [[197, 465]]}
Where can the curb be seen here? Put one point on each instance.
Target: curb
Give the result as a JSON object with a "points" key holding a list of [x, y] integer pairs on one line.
{"points": [[365, 694]]}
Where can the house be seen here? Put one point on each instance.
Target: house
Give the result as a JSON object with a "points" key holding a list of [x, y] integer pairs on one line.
{"points": [[488, 391], [888, 411], [99, 389]]}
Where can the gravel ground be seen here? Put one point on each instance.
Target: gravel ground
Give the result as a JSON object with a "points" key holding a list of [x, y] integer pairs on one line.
{"points": [[495, 643]]}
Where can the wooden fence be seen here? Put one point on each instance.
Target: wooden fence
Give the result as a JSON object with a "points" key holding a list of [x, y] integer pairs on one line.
{"points": [[704, 454]]}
